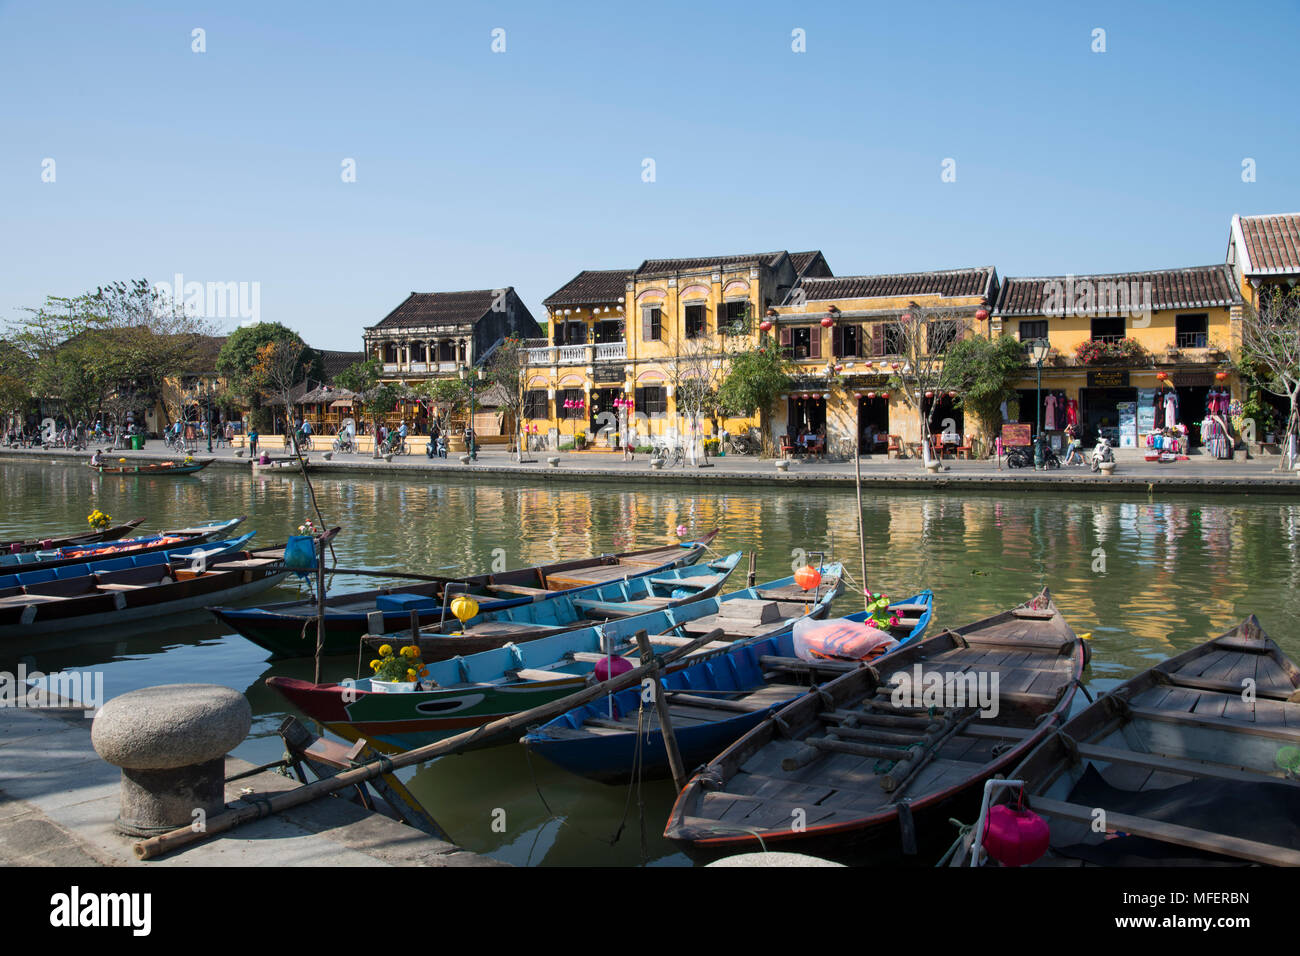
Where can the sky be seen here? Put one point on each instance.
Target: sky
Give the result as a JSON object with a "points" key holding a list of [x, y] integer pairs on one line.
{"points": [[126, 153]]}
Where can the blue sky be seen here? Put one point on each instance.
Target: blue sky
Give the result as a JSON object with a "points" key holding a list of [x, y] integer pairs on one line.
{"points": [[478, 169]]}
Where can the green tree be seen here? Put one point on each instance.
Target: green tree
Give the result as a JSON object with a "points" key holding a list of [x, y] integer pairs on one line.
{"points": [[985, 374], [753, 382], [240, 356], [508, 368]]}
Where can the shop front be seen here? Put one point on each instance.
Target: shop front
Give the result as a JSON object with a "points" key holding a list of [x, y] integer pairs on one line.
{"points": [[1108, 407]]}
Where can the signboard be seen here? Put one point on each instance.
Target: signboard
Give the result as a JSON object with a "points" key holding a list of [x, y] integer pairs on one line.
{"points": [[1108, 378], [1146, 413], [1127, 412], [1016, 434], [609, 373]]}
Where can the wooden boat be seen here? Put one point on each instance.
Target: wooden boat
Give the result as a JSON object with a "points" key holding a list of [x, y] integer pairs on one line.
{"points": [[713, 704], [478, 688], [279, 627], [87, 537], [1187, 768], [558, 611], [87, 597], [871, 760], [154, 468], [76, 554]]}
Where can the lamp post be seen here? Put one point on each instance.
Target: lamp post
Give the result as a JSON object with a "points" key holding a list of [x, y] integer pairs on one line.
{"points": [[1038, 352], [472, 379], [207, 397]]}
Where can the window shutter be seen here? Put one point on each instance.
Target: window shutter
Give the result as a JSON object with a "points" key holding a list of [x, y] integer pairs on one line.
{"points": [[815, 342], [878, 339], [645, 330], [785, 335], [837, 341]]}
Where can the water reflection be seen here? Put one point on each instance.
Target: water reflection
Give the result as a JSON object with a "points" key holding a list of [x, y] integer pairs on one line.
{"points": [[1147, 576]]}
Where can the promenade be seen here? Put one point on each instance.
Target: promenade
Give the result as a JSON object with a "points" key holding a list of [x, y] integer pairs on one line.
{"points": [[1200, 474]]}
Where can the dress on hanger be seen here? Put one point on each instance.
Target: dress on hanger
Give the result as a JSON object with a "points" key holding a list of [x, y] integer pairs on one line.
{"points": [[1049, 414], [1171, 408], [1072, 412]]}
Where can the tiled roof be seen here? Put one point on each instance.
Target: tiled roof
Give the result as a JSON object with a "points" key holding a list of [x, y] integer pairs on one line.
{"points": [[950, 283], [1197, 287], [439, 308], [333, 362], [591, 287], [658, 266], [802, 260], [1272, 243]]}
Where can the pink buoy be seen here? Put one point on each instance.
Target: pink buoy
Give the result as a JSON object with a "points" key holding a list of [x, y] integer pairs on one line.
{"points": [[1014, 836], [608, 667]]}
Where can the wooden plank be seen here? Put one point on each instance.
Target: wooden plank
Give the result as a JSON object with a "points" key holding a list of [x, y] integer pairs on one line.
{"points": [[1222, 686], [1291, 734], [1251, 850], [1186, 768], [532, 674]]}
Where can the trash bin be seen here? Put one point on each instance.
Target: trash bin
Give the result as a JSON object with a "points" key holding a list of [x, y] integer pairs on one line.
{"points": [[137, 442]]}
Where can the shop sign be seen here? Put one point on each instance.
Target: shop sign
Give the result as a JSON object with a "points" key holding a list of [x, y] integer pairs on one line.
{"points": [[1108, 378]]}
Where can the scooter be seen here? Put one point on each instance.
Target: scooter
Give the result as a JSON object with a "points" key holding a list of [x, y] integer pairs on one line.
{"points": [[1101, 453]]}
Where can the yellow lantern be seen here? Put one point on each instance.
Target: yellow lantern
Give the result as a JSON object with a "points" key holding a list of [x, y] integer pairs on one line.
{"points": [[464, 607]]}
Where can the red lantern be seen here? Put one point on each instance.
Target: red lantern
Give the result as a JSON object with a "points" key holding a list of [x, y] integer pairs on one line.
{"points": [[807, 577], [1162, 375], [871, 394], [1015, 837], [839, 368], [905, 317], [952, 394], [828, 321], [929, 394], [1220, 376], [982, 314], [885, 396], [765, 325]]}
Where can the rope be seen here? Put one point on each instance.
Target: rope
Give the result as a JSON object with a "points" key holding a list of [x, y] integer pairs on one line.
{"points": [[963, 830]]}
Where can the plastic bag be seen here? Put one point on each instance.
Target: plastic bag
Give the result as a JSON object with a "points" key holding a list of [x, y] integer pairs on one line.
{"points": [[840, 639]]}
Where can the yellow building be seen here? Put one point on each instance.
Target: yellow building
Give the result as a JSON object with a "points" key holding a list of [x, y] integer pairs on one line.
{"points": [[1264, 253], [842, 333], [1119, 344]]}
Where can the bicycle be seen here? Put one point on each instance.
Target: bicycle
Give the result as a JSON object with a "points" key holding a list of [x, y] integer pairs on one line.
{"points": [[345, 445], [742, 445], [395, 446], [672, 454]]}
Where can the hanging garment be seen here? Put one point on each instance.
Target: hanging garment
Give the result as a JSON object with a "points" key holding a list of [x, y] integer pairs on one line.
{"points": [[1171, 408], [1072, 412], [1049, 412], [1159, 420]]}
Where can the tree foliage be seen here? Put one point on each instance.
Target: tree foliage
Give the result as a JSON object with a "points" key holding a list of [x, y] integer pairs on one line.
{"points": [[240, 356], [753, 382], [985, 373], [1270, 353]]}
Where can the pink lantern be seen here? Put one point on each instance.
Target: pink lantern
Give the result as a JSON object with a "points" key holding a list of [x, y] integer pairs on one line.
{"points": [[610, 667], [929, 394], [871, 394], [884, 395], [1015, 836]]}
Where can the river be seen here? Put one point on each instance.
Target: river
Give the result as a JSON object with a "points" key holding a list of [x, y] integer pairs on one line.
{"points": [[1147, 576]]}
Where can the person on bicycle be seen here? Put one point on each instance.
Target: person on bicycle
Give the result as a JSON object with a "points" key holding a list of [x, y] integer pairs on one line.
{"points": [[402, 432]]}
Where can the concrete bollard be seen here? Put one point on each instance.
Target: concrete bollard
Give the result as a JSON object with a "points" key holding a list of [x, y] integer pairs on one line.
{"points": [[171, 742], [771, 859], [553, 462], [464, 459], [783, 464]]}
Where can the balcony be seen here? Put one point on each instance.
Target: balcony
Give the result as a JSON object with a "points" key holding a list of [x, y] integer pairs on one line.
{"points": [[611, 352], [577, 354]]}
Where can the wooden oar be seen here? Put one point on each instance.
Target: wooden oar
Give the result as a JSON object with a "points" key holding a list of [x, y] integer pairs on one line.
{"points": [[222, 822]]}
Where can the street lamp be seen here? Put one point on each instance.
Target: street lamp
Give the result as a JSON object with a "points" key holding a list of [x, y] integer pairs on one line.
{"points": [[472, 379], [207, 395], [1037, 352]]}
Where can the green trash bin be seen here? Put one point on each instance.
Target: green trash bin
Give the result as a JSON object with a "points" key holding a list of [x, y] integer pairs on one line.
{"points": [[137, 442]]}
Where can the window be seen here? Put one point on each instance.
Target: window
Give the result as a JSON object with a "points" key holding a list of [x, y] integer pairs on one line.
{"points": [[895, 339], [733, 317], [571, 395], [571, 333], [536, 404], [846, 341], [801, 342], [651, 324], [1033, 330], [1107, 330], [652, 400], [939, 335], [1192, 331], [695, 324]]}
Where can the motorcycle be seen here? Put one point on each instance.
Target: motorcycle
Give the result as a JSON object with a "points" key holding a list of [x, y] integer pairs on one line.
{"points": [[1101, 454], [1022, 456]]}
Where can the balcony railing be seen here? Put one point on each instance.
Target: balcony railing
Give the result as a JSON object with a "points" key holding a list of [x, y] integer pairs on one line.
{"points": [[1192, 340], [571, 355], [611, 351]]}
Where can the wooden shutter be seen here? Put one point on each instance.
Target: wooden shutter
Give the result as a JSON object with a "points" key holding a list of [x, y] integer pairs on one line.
{"points": [[815, 342], [837, 341], [645, 333], [785, 336], [878, 339]]}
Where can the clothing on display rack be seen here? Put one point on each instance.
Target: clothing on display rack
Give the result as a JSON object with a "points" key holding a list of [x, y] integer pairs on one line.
{"points": [[1072, 412], [1049, 412], [1171, 408]]}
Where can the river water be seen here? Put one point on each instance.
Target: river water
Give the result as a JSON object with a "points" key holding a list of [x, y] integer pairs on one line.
{"points": [[1147, 576]]}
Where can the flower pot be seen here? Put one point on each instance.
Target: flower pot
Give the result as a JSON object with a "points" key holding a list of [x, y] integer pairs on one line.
{"points": [[392, 686]]}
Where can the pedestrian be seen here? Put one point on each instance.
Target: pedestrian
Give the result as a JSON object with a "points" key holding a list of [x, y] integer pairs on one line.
{"points": [[252, 443]]}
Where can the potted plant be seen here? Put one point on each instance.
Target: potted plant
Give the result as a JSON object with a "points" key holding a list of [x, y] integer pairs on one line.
{"points": [[712, 446], [98, 520], [397, 673]]}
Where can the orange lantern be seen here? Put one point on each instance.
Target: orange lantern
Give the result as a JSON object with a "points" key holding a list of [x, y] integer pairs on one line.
{"points": [[1220, 376], [1161, 376], [807, 577]]}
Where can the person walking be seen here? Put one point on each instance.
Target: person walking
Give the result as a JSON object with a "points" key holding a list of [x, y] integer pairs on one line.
{"points": [[252, 443]]}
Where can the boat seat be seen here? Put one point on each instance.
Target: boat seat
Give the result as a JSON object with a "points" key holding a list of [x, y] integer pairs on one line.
{"points": [[611, 608], [515, 589], [699, 583], [122, 587], [533, 674]]}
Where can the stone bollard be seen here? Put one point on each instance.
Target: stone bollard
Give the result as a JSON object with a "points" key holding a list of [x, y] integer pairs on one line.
{"points": [[783, 464], [464, 459], [770, 859], [171, 742], [554, 462]]}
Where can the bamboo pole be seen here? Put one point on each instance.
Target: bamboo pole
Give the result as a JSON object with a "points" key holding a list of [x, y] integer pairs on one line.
{"points": [[229, 820], [862, 541], [665, 718], [320, 602]]}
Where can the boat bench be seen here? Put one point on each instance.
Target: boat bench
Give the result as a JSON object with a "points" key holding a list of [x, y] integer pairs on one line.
{"points": [[515, 589], [698, 583], [608, 609]]}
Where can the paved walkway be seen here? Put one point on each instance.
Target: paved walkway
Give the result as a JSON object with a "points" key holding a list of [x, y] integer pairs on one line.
{"points": [[1199, 474], [58, 801]]}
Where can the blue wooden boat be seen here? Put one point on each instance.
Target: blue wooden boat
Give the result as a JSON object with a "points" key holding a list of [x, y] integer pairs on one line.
{"points": [[280, 627], [144, 544], [713, 704], [560, 611], [476, 689]]}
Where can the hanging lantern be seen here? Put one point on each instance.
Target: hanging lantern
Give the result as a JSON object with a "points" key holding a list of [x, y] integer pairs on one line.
{"points": [[905, 317], [952, 394], [1220, 376], [807, 577], [610, 667], [828, 321], [869, 395], [766, 325], [929, 394], [1161, 376], [1015, 836], [859, 394], [982, 313], [885, 396], [894, 366], [464, 607], [838, 369]]}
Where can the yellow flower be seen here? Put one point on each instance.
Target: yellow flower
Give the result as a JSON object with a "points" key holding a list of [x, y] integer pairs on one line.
{"points": [[406, 651], [374, 665], [386, 650], [411, 675]]}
